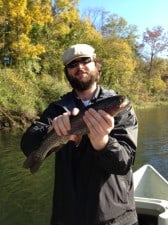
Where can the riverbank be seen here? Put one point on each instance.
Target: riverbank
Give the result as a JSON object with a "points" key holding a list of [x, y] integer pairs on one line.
{"points": [[10, 119], [153, 104]]}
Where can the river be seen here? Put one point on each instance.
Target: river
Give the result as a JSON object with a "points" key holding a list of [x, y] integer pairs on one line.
{"points": [[26, 199]]}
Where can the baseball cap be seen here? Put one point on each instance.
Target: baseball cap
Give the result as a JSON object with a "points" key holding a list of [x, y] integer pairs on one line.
{"points": [[77, 51]]}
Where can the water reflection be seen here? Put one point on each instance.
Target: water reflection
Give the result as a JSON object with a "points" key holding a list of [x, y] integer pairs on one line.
{"points": [[153, 139]]}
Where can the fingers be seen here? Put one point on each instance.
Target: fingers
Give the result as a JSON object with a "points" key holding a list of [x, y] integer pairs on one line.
{"points": [[100, 125], [75, 111], [61, 123], [99, 121], [109, 120]]}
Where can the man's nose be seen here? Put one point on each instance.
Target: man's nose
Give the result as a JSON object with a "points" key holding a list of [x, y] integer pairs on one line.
{"points": [[80, 65]]}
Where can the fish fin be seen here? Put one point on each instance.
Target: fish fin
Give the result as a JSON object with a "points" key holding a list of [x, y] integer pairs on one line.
{"points": [[55, 149], [29, 161], [32, 162], [35, 167]]}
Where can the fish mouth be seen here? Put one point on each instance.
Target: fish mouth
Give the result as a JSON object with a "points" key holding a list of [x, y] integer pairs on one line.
{"points": [[125, 103]]}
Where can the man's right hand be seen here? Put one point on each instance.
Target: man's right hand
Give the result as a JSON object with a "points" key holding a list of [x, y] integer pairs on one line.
{"points": [[62, 125]]}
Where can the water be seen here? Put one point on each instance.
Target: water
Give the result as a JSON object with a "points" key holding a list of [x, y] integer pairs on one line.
{"points": [[153, 139], [26, 199]]}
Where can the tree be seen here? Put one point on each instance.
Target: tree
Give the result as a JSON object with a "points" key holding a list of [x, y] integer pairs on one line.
{"points": [[155, 43], [116, 26], [20, 18], [119, 64], [96, 16]]}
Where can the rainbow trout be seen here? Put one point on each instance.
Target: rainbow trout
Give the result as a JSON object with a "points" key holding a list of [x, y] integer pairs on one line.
{"points": [[52, 142]]}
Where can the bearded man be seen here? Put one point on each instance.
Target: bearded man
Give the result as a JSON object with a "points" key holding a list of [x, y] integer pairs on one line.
{"points": [[93, 175]]}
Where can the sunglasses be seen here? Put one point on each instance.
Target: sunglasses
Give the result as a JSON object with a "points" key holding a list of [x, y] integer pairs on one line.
{"points": [[82, 61]]}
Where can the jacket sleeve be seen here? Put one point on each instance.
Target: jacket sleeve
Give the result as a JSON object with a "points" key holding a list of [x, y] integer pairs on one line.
{"points": [[35, 134], [119, 154]]}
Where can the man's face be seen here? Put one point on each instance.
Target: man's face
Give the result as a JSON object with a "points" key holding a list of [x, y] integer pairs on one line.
{"points": [[82, 73]]}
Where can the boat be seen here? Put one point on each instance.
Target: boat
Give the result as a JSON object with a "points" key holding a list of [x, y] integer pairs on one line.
{"points": [[151, 196]]}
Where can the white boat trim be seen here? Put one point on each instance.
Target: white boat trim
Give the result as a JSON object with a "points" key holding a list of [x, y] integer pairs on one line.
{"points": [[149, 183]]}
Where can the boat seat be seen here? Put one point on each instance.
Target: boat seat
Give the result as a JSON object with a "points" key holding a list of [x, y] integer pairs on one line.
{"points": [[154, 207], [151, 193]]}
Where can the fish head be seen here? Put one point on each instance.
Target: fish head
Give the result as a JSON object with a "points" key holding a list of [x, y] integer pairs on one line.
{"points": [[114, 104]]}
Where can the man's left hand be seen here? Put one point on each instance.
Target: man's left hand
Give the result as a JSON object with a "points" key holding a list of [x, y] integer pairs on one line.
{"points": [[100, 125]]}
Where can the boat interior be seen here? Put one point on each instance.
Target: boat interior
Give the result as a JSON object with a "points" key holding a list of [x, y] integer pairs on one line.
{"points": [[151, 196]]}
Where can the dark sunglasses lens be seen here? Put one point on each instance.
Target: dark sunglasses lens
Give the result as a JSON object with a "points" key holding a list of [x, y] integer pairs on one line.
{"points": [[82, 61], [86, 60], [72, 65]]}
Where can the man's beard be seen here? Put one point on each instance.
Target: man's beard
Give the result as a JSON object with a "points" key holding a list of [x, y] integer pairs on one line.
{"points": [[82, 85]]}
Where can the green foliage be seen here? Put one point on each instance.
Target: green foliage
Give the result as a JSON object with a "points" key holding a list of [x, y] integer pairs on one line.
{"points": [[50, 89], [17, 92], [18, 19], [28, 93], [119, 64]]}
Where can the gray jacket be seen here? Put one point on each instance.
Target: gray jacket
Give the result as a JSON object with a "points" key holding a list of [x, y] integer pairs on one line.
{"points": [[91, 187]]}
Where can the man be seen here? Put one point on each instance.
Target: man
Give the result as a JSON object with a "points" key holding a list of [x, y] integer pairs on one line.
{"points": [[93, 176]]}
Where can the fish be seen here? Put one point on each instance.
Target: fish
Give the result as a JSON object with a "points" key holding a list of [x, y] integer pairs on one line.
{"points": [[53, 143]]}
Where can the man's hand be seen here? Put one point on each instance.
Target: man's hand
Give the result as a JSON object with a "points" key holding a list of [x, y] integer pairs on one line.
{"points": [[62, 125], [100, 125]]}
